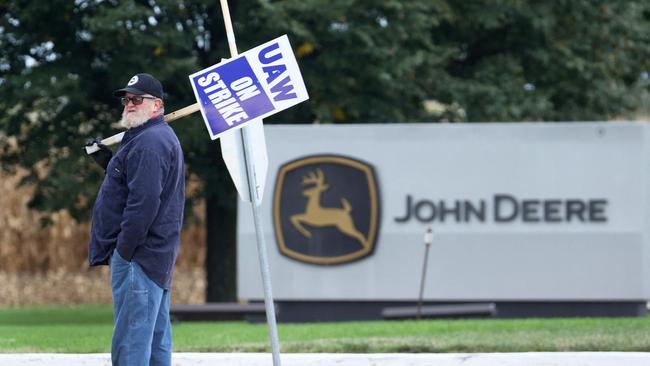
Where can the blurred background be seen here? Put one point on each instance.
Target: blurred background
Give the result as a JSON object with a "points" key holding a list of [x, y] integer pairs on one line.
{"points": [[427, 61]]}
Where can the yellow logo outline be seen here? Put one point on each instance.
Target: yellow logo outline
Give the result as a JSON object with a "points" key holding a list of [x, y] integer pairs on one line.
{"points": [[339, 217]]}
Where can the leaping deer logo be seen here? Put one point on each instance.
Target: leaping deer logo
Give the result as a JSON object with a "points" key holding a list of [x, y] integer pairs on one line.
{"points": [[319, 216]]}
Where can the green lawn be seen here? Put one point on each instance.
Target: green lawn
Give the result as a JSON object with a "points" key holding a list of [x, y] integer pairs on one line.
{"points": [[87, 329]]}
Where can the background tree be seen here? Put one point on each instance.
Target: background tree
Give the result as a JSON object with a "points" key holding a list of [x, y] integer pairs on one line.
{"points": [[362, 61], [546, 61]]}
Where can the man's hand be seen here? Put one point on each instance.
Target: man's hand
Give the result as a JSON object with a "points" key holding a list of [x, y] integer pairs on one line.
{"points": [[101, 156]]}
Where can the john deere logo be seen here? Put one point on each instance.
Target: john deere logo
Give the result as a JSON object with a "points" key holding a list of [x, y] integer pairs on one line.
{"points": [[325, 209]]}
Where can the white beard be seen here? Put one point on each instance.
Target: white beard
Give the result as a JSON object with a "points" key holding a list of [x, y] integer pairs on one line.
{"points": [[137, 118]]}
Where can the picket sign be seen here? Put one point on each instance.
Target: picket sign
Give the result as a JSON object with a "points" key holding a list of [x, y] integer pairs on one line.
{"points": [[260, 82], [239, 92]]}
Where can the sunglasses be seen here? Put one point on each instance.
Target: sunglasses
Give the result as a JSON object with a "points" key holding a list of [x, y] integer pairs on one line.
{"points": [[136, 100]]}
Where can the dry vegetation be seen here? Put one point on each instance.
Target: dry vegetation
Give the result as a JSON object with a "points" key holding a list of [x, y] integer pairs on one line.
{"points": [[48, 265]]}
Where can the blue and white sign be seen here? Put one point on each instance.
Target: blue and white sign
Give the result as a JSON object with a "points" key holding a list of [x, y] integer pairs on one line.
{"points": [[258, 83]]}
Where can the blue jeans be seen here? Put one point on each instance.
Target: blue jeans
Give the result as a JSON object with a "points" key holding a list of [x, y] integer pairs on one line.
{"points": [[143, 334]]}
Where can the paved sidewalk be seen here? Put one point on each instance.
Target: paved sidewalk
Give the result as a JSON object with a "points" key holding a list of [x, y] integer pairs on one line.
{"points": [[343, 359]]}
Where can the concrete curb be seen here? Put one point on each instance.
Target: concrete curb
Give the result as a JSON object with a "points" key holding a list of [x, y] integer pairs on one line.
{"points": [[343, 359]]}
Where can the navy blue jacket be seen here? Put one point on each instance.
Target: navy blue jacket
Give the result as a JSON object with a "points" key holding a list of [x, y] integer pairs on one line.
{"points": [[139, 207]]}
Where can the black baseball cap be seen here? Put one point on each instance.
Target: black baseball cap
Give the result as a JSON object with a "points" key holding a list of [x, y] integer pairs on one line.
{"points": [[142, 84]]}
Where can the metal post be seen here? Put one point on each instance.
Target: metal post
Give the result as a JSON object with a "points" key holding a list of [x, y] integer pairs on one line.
{"points": [[255, 202], [262, 255], [428, 239]]}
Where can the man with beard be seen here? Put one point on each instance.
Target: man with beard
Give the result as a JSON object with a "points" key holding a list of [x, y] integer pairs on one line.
{"points": [[136, 224]]}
